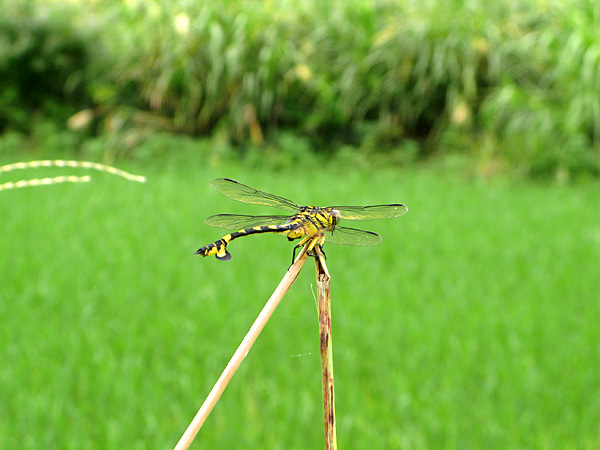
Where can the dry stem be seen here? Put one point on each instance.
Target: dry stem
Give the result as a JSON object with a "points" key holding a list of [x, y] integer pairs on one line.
{"points": [[324, 309], [242, 351]]}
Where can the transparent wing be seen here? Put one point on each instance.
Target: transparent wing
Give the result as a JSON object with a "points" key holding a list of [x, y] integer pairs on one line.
{"points": [[351, 236], [371, 212], [246, 194], [238, 222]]}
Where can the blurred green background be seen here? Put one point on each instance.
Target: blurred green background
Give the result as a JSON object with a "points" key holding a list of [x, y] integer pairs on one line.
{"points": [[473, 325]]}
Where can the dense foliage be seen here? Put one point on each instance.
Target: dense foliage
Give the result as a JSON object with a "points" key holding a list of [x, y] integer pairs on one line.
{"points": [[509, 84], [42, 64]]}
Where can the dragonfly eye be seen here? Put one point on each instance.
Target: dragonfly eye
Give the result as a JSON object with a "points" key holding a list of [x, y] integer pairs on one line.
{"points": [[335, 216]]}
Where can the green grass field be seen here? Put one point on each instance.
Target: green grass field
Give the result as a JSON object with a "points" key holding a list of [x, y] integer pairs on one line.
{"points": [[475, 325]]}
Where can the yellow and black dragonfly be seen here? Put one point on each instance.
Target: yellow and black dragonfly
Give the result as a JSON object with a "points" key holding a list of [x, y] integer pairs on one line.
{"points": [[313, 225]]}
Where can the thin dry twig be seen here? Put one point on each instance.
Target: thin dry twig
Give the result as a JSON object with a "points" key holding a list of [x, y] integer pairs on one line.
{"points": [[237, 358]]}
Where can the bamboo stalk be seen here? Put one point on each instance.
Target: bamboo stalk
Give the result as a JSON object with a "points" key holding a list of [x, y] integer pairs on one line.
{"points": [[325, 337], [237, 358]]}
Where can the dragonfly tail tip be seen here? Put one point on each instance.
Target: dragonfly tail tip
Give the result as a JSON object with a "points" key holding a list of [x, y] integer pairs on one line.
{"points": [[225, 257]]}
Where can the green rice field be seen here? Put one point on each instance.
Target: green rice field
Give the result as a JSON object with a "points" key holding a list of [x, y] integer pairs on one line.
{"points": [[474, 325]]}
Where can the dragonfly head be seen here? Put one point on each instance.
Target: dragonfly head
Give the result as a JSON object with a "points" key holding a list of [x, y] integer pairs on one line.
{"points": [[335, 217]]}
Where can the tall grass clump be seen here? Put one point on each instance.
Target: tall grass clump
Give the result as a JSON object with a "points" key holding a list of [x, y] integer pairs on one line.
{"points": [[516, 80], [205, 66], [544, 108]]}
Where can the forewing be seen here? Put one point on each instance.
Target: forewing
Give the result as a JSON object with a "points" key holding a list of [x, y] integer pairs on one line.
{"points": [[371, 212], [246, 194], [351, 236], [238, 222]]}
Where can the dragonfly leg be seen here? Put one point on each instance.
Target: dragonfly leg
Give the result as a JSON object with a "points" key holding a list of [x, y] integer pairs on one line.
{"points": [[301, 244], [294, 252]]}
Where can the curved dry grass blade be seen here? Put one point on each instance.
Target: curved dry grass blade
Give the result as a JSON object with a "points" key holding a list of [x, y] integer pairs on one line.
{"points": [[73, 164], [44, 182]]}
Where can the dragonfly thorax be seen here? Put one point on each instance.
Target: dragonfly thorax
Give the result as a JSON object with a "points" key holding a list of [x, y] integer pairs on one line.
{"points": [[312, 221]]}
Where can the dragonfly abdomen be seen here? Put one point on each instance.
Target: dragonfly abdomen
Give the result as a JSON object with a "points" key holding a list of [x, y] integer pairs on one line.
{"points": [[219, 248]]}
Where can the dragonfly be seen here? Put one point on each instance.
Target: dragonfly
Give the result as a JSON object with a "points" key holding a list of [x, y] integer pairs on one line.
{"points": [[313, 225]]}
